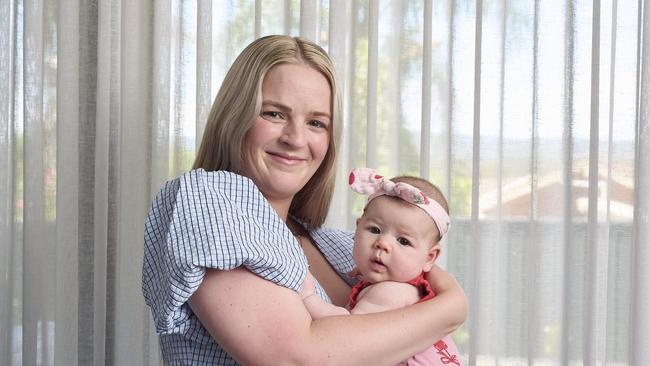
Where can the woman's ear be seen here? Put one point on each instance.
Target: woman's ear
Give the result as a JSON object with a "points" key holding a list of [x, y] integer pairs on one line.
{"points": [[432, 255]]}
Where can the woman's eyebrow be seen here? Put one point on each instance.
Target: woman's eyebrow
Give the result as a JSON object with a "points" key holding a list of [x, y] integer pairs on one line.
{"points": [[321, 114], [278, 105], [285, 108]]}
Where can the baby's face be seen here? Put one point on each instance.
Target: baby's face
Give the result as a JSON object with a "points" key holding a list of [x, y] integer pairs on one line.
{"points": [[394, 241]]}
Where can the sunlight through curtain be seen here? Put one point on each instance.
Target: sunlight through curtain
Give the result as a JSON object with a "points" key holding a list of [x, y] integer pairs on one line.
{"points": [[532, 116]]}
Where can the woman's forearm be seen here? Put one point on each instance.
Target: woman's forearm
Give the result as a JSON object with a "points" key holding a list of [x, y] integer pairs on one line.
{"points": [[445, 285], [395, 335], [253, 318]]}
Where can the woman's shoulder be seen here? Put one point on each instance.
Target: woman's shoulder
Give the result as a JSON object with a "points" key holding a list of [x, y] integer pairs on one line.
{"points": [[197, 180], [220, 180], [193, 191], [223, 189], [216, 202]]}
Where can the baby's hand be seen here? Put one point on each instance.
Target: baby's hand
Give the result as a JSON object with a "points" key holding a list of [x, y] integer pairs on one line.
{"points": [[307, 289]]}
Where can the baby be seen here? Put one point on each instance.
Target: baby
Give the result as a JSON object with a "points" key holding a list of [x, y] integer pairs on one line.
{"points": [[396, 241]]}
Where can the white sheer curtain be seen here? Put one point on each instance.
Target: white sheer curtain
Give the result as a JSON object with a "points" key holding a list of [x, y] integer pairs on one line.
{"points": [[533, 117]]}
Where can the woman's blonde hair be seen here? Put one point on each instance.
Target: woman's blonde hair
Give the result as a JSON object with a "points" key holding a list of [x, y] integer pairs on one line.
{"points": [[238, 103]]}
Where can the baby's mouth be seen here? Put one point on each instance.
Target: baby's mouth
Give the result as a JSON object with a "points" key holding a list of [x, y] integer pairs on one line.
{"points": [[377, 265]]}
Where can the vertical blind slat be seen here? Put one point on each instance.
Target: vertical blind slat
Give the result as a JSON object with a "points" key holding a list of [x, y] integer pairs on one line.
{"points": [[107, 53], [531, 252], [373, 45], [161, 93], [591, 248], [500, 314], [159, 163], [425, 127], [8, 156], [117, 85], [475, 305], [640, 319], [132, 175], [258, 18], [204, 62], [287, 17], [609, 335], [182, 82], [309, 19], [500, 141], [176, 81], [450, 99], [351, 83], [338, 33], [390, 87], [33, 304], [86, 195], [567, 165], [443, 150], [67, 167]]}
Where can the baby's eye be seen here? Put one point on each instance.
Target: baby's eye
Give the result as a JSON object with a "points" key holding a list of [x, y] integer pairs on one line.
{"points": [[403, 241], [374, 230]]}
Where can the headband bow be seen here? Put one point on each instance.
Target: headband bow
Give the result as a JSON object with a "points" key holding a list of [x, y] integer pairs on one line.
{"points": [[368, 182]]}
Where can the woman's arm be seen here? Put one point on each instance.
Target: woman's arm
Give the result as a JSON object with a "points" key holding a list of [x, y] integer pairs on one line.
{"points": [[258, 322]]}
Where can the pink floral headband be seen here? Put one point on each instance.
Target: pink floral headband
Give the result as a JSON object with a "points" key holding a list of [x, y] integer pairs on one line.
{"points": [[368, 182]]}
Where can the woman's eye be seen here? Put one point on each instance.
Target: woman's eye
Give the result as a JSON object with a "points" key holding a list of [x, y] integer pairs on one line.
{"points": [[271, 115], [318, 124], [403, 241]]}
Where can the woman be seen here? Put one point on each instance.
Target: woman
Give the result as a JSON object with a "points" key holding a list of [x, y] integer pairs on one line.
{"points": [[228, 244]]}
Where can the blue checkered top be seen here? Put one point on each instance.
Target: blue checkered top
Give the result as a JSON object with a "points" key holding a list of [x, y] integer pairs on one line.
{"points": [[218, 220]]}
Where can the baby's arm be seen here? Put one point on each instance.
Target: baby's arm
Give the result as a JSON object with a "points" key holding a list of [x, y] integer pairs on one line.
{"points": [[319, 309], [383, 296], [316, 307]]}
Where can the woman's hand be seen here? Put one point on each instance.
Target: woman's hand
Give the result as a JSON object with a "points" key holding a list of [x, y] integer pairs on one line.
{"points": [[444, 284]]}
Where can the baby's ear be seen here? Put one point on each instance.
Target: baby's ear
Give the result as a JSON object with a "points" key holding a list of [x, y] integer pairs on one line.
{"points": [[432, 255]]}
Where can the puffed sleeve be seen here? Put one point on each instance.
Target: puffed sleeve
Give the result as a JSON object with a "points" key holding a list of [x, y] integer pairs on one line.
{"points": [[214, 220]]}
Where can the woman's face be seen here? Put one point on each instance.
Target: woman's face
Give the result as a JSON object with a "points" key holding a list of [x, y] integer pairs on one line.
{"points": [[289, 139]]}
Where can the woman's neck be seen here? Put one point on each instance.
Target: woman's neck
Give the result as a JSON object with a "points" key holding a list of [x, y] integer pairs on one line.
{"points": [[281, 207]]}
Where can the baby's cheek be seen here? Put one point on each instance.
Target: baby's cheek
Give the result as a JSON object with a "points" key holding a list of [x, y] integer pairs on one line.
{"points": [[408, 272]]}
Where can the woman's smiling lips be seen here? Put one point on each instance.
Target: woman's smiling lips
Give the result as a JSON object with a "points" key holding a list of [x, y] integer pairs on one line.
{"points": [[285, 159]]}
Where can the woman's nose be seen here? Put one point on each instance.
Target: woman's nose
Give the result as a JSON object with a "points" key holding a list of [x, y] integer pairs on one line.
{"points": [[294, 134]]}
